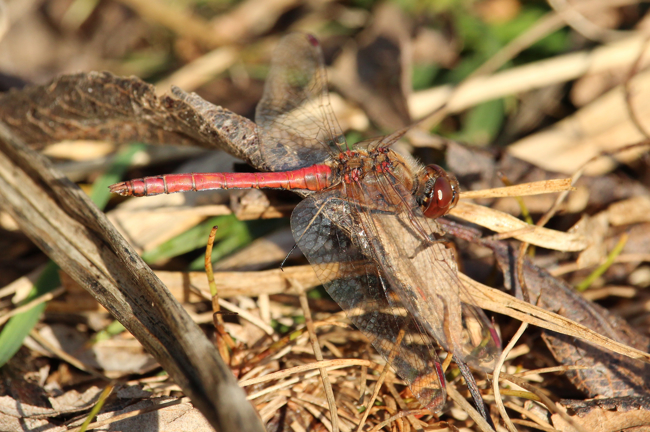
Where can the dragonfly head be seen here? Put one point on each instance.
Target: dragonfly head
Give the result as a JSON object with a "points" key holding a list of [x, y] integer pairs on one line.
{"points": [[438, 191]]}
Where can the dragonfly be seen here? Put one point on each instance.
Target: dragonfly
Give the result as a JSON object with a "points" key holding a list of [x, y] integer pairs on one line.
{"points": [[367, 225]]}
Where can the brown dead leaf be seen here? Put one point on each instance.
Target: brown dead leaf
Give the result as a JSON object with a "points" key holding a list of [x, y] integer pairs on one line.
{"points": [[607, 420], [504, 223], [609, 374], [102, 106]]}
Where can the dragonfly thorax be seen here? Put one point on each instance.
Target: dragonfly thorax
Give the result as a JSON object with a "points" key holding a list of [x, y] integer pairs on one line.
{"points": [[355, 165]]}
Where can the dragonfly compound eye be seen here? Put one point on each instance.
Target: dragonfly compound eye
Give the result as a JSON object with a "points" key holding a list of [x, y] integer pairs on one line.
{"points": [[440, 192]]}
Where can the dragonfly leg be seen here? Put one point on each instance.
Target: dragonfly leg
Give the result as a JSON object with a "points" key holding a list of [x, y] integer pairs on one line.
{"points": [[474, 391]]}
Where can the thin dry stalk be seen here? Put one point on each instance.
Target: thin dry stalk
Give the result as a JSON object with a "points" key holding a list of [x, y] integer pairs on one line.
{"points": [[22, 285], [362, 383], [497, 370], [444, 97], [402, 405], [313, 410], [210, 275], [535, 425], [66, 357], [221, 303], [469, 409], [545, 400], [552, 369], [272, 407], [382, 377], [322, 403], [529, 414], [329, 364], [398, 416], [304, 304], [27, 306], [504, 223], [223, 339], [250, 284], [277, 387]]}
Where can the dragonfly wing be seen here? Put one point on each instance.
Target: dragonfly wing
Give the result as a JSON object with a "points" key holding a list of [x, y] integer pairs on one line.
{"points": [[296, 124], [335, 246], [421, 269]]}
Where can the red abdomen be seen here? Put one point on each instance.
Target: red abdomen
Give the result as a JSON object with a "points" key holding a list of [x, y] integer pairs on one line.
{"points": [[314, 178]]}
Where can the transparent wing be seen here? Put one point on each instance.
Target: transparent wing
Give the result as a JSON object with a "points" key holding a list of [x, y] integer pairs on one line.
{"points": [[421, 270], [338, 249], [296, 124]]}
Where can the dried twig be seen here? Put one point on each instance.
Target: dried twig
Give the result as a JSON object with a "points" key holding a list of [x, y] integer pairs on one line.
{"points": [[64, 223], [317, 353], [497, 371]]}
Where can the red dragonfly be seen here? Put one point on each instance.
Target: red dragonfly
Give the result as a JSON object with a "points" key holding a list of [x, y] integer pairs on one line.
{"points": [[368, 228]]}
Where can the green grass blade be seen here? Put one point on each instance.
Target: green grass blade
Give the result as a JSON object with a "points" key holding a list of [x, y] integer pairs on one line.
{"points": [[192, 239], [19, 326], [100, 193]]}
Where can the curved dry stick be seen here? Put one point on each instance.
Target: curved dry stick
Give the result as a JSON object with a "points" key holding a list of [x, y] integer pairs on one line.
{"points": [[62, 221]]}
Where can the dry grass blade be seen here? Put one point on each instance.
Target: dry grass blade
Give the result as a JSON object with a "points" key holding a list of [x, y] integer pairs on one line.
{"points": [[505, 223], [545, 400], [64, 223], [380, 380], [176, 19], [20, 309], [252, 284], [497, 371], [534, 425], [65, 356], [525, 189], [540, 423], [497, 301], [395, 417], [527, 77], [328, 364], [193, 75], [304, 304], [469, 409]]}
